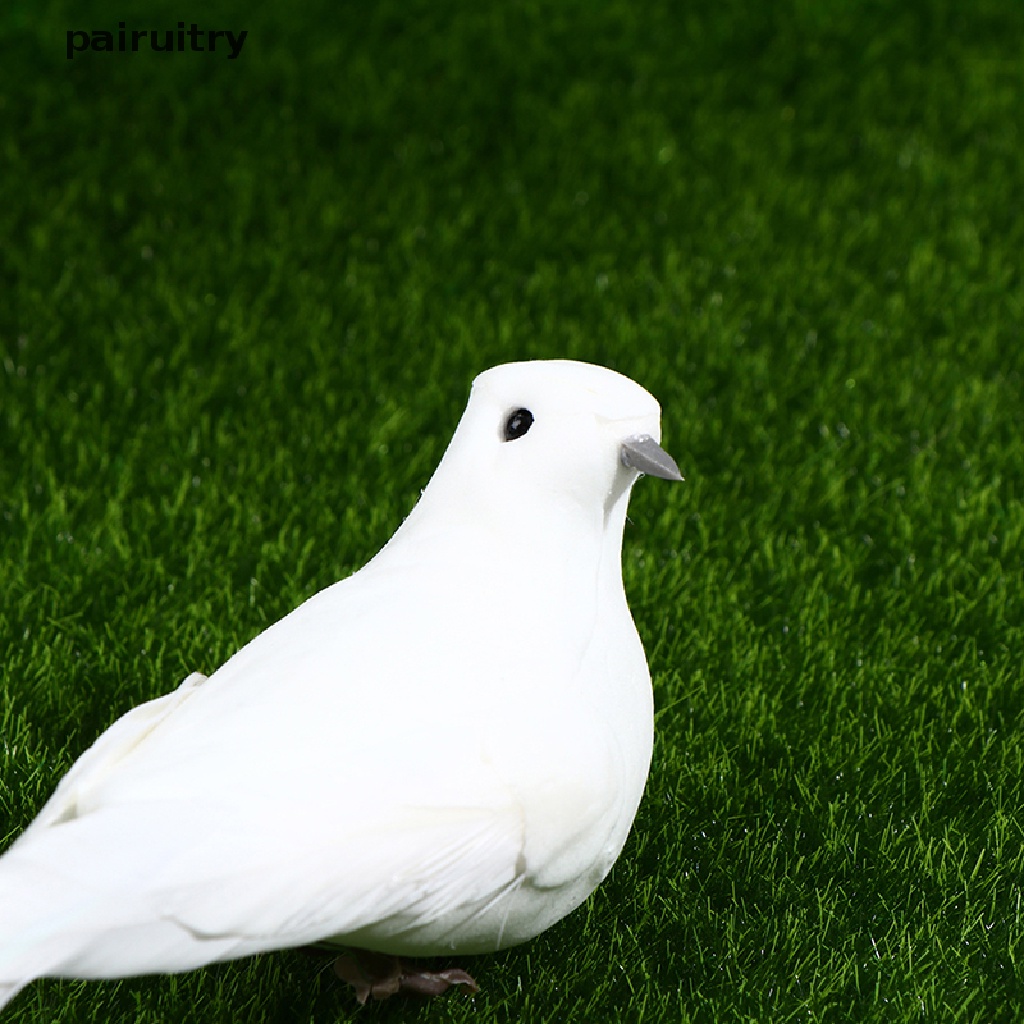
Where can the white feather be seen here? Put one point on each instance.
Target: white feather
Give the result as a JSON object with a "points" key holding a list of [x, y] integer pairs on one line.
{"points": [[444, 751]]}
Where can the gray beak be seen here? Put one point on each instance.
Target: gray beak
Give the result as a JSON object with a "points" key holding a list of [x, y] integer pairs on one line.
{"points": [[643, 453]]}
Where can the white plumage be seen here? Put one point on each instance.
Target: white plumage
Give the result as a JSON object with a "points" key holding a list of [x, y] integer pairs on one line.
{"points": [[442, 753]]}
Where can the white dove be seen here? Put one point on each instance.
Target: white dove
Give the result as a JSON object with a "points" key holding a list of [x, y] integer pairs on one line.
{"points": [[441, 754]]}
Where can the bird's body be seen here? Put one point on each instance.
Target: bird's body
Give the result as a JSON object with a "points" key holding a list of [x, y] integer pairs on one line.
{"points": [[441, 753]]}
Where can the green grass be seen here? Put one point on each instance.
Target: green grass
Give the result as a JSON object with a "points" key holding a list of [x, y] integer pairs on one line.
{"points": [[240, 306]]}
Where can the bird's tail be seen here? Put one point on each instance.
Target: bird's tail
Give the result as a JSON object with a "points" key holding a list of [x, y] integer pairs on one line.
{"points": [[40, 922], [76, 902]]}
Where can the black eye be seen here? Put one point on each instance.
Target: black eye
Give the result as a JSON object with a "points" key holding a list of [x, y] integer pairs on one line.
{"points": [[518, 423]]}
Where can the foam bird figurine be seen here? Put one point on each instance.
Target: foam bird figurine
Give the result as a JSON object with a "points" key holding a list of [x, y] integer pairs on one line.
{"points": [[441, 754]]}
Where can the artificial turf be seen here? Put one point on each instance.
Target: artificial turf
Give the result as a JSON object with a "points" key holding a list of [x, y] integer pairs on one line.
{"points": [[240, 306]]}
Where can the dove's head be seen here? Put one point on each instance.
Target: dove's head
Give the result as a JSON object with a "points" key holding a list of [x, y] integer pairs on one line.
{"points": [[538, 473], [556, 435]]}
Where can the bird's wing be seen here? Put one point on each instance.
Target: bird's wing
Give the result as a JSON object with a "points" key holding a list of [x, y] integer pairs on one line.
{"points": [[141, 889], [411, 855]]}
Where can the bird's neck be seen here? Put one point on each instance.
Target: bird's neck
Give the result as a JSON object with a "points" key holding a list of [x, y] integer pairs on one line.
{"points": [[547, 558]]}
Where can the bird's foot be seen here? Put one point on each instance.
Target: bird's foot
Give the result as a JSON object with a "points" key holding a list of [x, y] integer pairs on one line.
{"points": [[378, 976]]}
